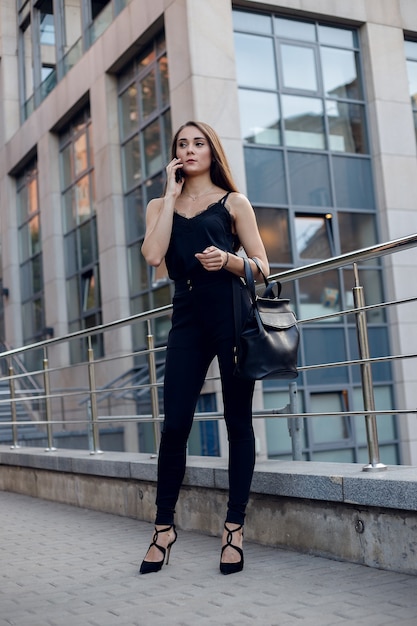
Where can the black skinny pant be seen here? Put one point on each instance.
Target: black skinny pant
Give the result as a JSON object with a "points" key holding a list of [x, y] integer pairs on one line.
{"points": [[203, 327]]}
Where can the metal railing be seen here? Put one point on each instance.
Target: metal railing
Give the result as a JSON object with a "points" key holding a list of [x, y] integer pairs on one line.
{"points": [[90, 395]]}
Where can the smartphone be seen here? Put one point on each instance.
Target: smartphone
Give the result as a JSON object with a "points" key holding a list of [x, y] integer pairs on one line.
{"points": [[179, 175]]}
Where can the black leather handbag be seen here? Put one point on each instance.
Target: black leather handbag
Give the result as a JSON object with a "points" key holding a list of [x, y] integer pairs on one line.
{"points": [[267, 343]]}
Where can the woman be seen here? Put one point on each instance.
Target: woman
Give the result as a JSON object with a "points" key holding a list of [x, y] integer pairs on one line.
{"points": [[197, 227]]}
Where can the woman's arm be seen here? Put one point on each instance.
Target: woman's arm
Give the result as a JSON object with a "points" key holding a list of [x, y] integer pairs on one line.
{"points": [[214, 259], [159, 216]]}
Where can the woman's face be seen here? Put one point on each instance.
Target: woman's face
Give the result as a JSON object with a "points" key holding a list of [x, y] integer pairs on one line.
{"points": [[194, 151]]}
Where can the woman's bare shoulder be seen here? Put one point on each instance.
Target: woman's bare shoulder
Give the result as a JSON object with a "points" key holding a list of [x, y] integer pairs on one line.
{"points": [[238, 202]]}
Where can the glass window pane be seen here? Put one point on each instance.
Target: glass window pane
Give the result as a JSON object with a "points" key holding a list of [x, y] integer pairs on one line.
{"points": [[353, 183], [163, 74], [320, 295], [26, 281], [135, 216], [346, 127], [313, 171], [36, 264], [66, 167], [82, 199], [22, 205], [305, 31], [73, 298], [412, 81], [152, 148], [314, 239], [371, 281], [273, 226], [265, 176], [385, 423], [69, 211], [254, 22], [154, 188], [329, 429], [304, 122], [167, 135], [148, 94], [86, 244], [129, 111], [340, 73], [410, 49], [24, 243], [80, 154], [259, 117], [132, 171], [325, 345], [138, 270], [358, 230], [255, 62], [299, 67], [71, 255], [34, 229], [337, 36]]}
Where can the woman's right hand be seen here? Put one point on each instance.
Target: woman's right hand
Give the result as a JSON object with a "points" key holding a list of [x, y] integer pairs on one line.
{"points": [[174, 185]]}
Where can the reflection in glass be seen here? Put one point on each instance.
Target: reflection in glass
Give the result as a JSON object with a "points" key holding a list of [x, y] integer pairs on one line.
{"points": [[273, 226], [138, 270], [340, 73], [80, 154], [337, 36], [129, 111], [353, 183], [320, 296], [152, 148], [346, 127], [82, 199], [294, 29], [309, 179], [358, 230], [330, 429], [135, 218], [412, 81], [304, 122], [324, 344], [163, 74], [371, 281], [249, 50], [265, 176], [148, 94], [131, 163], [299, 67], [314, 237], [259, 117], [86, 245]]}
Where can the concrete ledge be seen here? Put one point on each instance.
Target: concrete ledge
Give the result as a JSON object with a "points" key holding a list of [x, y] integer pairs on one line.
{"points": [[329, 509]]}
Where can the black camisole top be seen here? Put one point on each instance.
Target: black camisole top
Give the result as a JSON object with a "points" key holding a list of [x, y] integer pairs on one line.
{"points": [[211, 227]]}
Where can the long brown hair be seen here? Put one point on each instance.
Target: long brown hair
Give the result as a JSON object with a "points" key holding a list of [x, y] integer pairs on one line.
{"points": [[219, 170]]}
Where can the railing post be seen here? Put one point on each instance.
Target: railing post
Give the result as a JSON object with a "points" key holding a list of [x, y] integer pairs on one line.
{"points": [[374, 464], [295, 425], [15, 444], [93, 415], [47, 390], [153, 386]]}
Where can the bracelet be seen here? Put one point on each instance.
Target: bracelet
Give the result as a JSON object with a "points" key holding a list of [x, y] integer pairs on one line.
{"points": [[226, 261]]}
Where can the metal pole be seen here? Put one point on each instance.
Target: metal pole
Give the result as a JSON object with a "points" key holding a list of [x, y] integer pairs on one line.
{"points": [[15, 444], [295, 425], [93, 400], [47, 389], [153, 386], [374, 464]]}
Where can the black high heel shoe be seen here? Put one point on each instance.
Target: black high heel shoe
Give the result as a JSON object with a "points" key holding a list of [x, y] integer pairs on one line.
{"points": [[148, 567], [231, 568]]}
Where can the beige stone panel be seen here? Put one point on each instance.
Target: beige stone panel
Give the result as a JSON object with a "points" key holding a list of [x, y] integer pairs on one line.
{"points": [[178, 51], [351, 10], [396, 128], [383, 54], [396, 180], [383, 12], [408, 14]]}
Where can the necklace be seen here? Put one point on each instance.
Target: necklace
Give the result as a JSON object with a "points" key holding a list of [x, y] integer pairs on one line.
{"points": [[200, 195]]}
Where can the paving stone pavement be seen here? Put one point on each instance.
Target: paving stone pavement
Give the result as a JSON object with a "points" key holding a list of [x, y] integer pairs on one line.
{"points": [[65, 566]]}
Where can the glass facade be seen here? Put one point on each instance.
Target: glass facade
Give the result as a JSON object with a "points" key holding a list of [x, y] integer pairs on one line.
{"points": [[145, 134], [309, 177], [411, 57], [80, 233], [53, 35], [30, 259]]}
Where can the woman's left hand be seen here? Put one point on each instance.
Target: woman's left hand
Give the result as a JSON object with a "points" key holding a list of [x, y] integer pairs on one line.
{"points": [[212, 258]]}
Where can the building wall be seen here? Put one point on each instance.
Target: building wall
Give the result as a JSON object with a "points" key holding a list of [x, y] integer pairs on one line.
{"points": [[200, 48]]}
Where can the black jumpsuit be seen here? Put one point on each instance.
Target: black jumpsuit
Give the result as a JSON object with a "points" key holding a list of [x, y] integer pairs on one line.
{"points": [[202, 327]]}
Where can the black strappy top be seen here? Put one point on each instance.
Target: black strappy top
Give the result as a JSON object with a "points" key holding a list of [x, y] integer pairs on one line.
{"points": [[211, 227]]}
